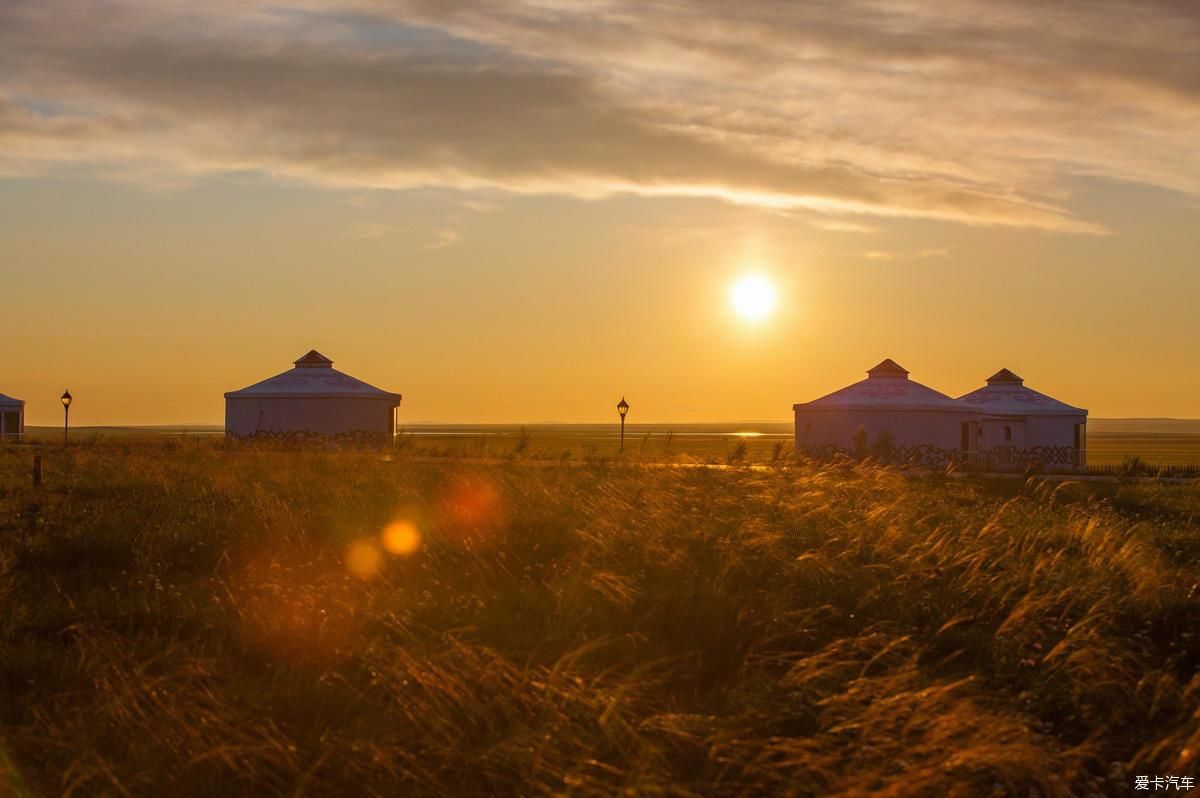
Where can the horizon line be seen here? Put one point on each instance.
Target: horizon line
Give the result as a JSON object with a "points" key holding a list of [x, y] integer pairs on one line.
{"points": [[435, 423]]}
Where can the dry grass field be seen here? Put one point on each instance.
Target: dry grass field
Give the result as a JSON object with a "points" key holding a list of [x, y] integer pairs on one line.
{"points": [[190, 618]]}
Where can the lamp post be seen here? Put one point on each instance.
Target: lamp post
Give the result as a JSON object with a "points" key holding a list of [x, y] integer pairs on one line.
{"points": [[66, 400], [622, 409]]}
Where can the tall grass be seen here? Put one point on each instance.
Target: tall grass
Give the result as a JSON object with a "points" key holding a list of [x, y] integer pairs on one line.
{"points": [[196, 620]]}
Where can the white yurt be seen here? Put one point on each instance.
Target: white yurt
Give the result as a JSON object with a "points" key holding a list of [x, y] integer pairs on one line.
{"points": [[312, 401], [902, 420], [12, 418], [1019, 425]]}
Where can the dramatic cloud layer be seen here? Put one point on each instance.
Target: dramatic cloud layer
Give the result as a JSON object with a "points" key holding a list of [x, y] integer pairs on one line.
{"points": [[974, 111]]}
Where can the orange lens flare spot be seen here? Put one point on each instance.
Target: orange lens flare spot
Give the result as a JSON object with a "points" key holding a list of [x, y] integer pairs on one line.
{"points": [[471, 510], [401, 538], [364, 559], [472, 503]]}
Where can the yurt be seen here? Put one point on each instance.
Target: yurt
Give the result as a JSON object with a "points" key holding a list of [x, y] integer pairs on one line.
{"points": [[312, 401], [1019, 426], [12, 418], [888, 416]]}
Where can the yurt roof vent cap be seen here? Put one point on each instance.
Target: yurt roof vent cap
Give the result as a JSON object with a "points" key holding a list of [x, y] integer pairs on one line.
{"points": [[1005, 377], [313, 360], [888, 368]]}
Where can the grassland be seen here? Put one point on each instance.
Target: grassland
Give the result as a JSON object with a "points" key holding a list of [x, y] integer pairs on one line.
{"points": [[190, 618], [1168, 449]]}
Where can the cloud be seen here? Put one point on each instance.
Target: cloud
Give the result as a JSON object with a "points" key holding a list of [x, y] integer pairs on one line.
{"points": [[929, 252], [935, 252], [843, 226], [980, 113], [364, 231], [444, 238], [480, 205]]}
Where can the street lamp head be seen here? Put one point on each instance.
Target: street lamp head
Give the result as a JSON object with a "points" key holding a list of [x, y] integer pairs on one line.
{"points": [[66, 398], [622, 407]]}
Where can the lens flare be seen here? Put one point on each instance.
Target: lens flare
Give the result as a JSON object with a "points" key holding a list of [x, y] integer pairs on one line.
{"points": [[296, 605], [471, 510], [363, 559], [401, 538]]}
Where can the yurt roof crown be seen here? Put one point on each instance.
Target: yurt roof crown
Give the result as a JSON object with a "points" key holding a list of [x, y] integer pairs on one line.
{"points": [[1006, 394], [313, 376], [887, 387]]}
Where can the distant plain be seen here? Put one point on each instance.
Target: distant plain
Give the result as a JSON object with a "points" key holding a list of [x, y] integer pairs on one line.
{"points": [[1156, 441]]}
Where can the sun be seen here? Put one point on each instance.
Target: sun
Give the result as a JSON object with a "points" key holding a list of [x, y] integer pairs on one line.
{"points": [[753, 297]]}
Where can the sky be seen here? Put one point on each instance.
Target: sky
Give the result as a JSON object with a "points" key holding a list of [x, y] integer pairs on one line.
{"points": [[521, 211]]}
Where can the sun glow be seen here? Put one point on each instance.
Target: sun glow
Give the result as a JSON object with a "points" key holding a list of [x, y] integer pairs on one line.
{"points": [[753, 297]]}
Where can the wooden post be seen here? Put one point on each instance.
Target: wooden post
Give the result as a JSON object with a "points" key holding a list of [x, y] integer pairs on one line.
{"points": [[37, 470]]}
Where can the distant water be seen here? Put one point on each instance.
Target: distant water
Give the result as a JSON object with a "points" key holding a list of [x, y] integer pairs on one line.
{"points": [[747, 430]]}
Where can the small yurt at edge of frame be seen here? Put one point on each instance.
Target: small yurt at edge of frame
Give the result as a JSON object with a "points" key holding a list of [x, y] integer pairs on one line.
{"points": [[12, 418]]}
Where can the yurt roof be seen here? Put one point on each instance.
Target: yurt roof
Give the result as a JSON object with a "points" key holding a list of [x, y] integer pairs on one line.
{"points": [[887, 387], [1005, 394], [8, 401], [313, 376]]}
